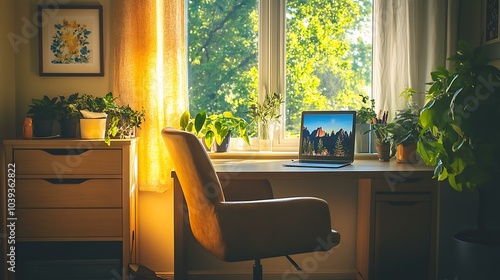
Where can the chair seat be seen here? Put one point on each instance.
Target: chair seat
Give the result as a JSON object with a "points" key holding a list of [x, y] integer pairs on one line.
{"points": [[275, 227]]}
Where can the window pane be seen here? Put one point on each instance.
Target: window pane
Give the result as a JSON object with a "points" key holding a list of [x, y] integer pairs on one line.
{"points": [[328, 56], [223, 55]]}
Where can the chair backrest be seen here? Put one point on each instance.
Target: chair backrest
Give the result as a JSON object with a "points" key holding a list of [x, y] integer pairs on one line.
{"points": [[200, 185]]}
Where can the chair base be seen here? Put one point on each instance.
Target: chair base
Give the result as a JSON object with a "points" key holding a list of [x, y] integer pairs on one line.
{"points": [[257, 270], [293, 263], [257, 267]]}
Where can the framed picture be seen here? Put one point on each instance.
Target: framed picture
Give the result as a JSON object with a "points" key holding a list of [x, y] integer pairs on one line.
{"points": [[491, 22], [70, 40]]}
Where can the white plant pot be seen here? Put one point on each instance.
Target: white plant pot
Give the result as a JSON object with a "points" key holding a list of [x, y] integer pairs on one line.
{"points": [[92, 128]]}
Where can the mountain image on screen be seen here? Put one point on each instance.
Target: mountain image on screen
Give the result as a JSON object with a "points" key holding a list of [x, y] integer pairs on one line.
{"points": [[319, 142]]}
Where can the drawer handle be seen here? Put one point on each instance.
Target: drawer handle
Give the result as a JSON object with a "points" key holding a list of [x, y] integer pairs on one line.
{"points": [[401, 203], [65, 152], [402, 180], [66, 181]]}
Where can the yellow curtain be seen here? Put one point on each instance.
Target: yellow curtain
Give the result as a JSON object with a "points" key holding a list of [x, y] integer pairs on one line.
{"points": [[150, 72]]}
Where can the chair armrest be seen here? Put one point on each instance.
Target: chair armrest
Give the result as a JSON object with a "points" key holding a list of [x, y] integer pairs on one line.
{"points": [[275, 227]]}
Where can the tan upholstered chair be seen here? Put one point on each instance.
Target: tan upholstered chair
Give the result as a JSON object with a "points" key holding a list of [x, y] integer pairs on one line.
{"points": [[244, 230]]}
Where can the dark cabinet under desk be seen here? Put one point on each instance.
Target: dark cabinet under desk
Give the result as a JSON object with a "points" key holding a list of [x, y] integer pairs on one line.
{"points": [[397, 223]]}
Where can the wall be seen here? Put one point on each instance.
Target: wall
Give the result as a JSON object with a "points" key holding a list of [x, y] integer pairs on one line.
{"points": [[28, 84], [471, 27], [7, 87]]}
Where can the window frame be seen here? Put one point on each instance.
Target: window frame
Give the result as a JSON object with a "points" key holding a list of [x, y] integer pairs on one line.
{"points": [[272, 60]]}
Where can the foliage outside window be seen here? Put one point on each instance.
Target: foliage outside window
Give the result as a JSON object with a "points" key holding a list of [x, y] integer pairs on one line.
{"points": [[327, 55]]}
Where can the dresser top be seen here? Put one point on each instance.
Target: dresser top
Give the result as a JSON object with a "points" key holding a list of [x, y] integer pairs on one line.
{"points": [[59, 142]]}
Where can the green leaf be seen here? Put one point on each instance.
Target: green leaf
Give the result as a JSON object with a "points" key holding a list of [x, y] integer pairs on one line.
{"points": [[113, 131], [184, 121], [435, 90], [464, 49], [209, 138], [228, 115], [458, 130], [199, 121], [452, 83], [438, 170], [426, 116], [219, 137], [429, 151], [453, 183], [458, 144], [457, 165], [425, 153]]}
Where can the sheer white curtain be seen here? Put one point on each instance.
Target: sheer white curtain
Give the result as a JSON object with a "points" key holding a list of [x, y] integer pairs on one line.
{"points": [[411, 38]]}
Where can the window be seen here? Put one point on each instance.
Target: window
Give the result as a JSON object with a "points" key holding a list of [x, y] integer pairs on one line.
{"points": [[223, 55], [316, 52]]}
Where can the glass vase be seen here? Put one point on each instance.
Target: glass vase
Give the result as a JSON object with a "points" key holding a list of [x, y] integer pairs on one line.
{"points": [[265, 133]]}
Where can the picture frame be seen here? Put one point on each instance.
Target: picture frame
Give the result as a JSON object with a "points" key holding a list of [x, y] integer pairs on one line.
{"points": [[491, 22], [70, 40]]}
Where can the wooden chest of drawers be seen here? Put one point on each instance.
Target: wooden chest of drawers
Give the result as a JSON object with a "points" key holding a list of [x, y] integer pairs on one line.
{"points": [[72, 191]]}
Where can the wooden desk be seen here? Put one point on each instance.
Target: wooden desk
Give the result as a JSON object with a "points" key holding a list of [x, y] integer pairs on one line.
{"points": [[387, 194]]}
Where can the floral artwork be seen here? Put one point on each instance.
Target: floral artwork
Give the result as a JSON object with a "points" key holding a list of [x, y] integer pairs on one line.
{"points": [[70, 43], [70, 40]]}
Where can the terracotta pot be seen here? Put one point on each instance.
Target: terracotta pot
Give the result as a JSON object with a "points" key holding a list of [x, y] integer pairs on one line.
{"points": [[407, 154], [383, 151]]}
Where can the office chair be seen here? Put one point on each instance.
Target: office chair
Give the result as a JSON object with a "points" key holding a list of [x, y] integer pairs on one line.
{"points": [[244, 230]]}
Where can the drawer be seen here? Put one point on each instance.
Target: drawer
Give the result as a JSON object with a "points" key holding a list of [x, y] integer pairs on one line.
{"points": [[401, 184], [67, 162], [68, 223], [86, 269], [69, 193]]}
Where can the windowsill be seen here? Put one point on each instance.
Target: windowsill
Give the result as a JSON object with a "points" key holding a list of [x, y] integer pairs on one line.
{"points": [[273, 155], [240, 150], [253, 155]]}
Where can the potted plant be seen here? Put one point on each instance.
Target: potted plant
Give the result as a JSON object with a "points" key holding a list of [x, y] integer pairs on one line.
{"points": [[405, 130], [94, 116], [123, 121], [70, 115], [197, 126], [267, 117], [44, 113], [364, 119], [459, 137], [215, 128], [383, 141], [224, 126]]}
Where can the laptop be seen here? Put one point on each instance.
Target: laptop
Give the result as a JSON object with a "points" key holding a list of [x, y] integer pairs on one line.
{"points": [[326, 139]]}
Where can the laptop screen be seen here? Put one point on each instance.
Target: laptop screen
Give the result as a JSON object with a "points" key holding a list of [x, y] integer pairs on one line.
{"points": [[327, 136]]}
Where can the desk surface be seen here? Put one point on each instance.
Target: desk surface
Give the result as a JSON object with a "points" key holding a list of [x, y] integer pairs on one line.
{"points": [[274, 169]]}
